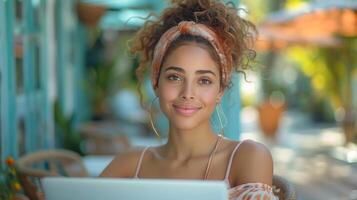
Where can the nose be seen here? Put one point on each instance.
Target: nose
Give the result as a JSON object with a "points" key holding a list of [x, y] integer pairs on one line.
{"points": [[187, 91]]}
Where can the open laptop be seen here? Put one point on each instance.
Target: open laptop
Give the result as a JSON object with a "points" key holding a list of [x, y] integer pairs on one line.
{"points": [[61, 188]]}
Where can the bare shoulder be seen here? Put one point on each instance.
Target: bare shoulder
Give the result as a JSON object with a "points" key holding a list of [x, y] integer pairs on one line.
{"points": [[253, 163], [123, 165]]}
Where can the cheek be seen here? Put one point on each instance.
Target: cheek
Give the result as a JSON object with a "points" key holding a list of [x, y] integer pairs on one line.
{"points": [[167, 93], [209, 97]]}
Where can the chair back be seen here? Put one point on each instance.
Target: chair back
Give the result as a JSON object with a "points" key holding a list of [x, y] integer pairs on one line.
{"points": [[104, 144], [58, 162], [283, 188]]}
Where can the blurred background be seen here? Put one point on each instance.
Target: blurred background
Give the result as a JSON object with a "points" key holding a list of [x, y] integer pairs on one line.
{"points": [[68, 81]]}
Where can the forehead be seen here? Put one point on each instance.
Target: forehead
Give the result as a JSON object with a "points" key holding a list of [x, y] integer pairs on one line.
{"points": [[191, 56]]}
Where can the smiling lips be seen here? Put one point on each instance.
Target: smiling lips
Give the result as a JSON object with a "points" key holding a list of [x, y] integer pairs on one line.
{"points": [[186, 110]]}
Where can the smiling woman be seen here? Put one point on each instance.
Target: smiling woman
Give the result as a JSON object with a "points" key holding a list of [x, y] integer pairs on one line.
{"points": [[192, 49], [189, 89]]}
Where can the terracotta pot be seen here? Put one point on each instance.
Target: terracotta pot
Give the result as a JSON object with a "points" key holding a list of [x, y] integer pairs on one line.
{"points": [[100, 110], [269, 118], [90, 14]]}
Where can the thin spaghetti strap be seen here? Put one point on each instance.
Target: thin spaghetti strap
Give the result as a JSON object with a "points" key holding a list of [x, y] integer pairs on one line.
{"points": [[211, 157], [228, 170], [138, 166]]}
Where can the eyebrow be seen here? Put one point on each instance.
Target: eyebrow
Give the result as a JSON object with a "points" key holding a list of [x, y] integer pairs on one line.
{"points": [[202, 71]]}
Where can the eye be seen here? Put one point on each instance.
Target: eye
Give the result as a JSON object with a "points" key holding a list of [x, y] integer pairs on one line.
{"points": [[173, 77], [205, 81]]}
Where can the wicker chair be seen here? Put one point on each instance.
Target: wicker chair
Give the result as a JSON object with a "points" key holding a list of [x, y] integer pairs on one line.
{"points": [[104, 144], [283, 188], [34, 166]]}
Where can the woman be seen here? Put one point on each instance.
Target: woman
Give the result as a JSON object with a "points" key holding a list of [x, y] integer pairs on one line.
{"points": [[193, 49]]}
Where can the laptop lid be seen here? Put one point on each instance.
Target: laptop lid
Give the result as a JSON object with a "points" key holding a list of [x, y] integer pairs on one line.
{"points": [[60, 188]]}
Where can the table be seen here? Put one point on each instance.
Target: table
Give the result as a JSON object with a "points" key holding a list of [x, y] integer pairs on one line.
{"points": [[96, 164]]}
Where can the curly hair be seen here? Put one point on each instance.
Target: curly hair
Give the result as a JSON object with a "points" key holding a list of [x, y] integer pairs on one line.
{"points": [[236, 33]]}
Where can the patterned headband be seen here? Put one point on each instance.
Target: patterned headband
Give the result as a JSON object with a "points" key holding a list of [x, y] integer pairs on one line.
{"points": [[195, 29]]}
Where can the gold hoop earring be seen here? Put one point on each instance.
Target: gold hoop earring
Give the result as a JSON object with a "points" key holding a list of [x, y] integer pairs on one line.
{"points": [[151, 119], [222, 119]]}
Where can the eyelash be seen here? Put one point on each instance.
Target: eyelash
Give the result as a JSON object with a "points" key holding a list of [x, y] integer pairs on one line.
{"points": [[173, 77], [202, 81]]}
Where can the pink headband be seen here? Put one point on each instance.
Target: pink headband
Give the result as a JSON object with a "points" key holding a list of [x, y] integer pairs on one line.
{"points": [[191, 28]]}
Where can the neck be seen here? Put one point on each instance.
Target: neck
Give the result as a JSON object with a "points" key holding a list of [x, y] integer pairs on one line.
{"points": [[186, 144]]}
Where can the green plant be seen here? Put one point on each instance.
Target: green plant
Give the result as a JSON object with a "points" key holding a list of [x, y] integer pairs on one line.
{"points": [[331, 73], [99, 85], [65, 126], [9, 183]]}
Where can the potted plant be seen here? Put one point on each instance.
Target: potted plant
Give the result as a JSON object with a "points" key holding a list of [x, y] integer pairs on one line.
{"points": [[99, 85], [273, 104]]}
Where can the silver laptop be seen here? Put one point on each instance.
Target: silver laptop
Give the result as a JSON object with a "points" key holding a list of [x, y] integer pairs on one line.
{"points": [[60, 188]]}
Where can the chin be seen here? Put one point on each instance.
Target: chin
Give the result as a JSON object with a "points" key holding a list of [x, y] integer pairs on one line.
{"points": [[185, 123]]}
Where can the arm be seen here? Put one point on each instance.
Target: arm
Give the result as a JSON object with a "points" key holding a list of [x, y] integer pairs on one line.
{"points": [[253, 173], [254, 164]]}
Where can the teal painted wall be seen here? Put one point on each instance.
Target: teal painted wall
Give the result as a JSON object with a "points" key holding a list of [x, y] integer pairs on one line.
{"points": [[8, 122], [52, 50]]}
